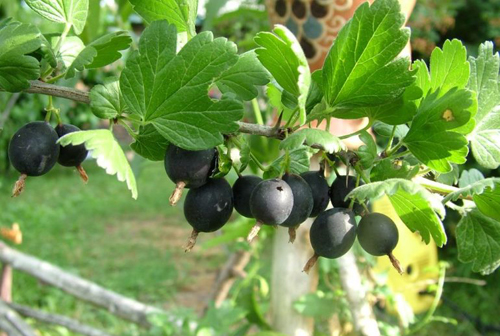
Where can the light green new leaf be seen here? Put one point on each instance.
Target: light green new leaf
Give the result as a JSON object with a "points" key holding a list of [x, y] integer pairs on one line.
{"points": [[181, 13], [73, 12], [475, 188], [243, 77], [385, 130], [47, 51], [299, 162], [312, 137], [106, 100], [469, 176], [103, 51], [417, 207], [170, 91], [367, 153], [283, 57], [107, 152], [361, 68], [478, 240], [485, 81], [71, 47], [16, 69], [449, 67], [436, 136], [150, 144]]}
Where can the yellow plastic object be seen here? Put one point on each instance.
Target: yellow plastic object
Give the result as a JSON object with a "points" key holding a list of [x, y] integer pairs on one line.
{"points": [[418, 260]]}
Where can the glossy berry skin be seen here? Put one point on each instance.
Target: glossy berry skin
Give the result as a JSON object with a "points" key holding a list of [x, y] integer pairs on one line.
{"points": [[209, 207], [333, 233], [271, 202], [242, 190], [33, 149], [377, 234], [320, 191], [339, 190], [70, 156], [302, 200], [191, 167]]}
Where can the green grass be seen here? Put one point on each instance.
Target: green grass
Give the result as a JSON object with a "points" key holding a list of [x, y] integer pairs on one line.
{"points": [[100, 233]]}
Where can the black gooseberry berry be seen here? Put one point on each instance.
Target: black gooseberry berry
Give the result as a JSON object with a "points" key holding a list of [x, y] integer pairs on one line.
{"points": [[320, 191], [70, 155], [33, 151], [302, 203], [378, 235], [188, 169], [208, 208], [340, 188], [271, 203], [332, 234], [242, 190]]}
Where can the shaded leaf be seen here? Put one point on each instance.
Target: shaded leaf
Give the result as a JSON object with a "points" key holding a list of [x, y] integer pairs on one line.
{"points": [[106, 100], [311, 137]]}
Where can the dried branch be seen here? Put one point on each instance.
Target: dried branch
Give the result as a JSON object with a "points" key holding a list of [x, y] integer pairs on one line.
{"points": [[12, 324], [64, 321], [85, 290]]}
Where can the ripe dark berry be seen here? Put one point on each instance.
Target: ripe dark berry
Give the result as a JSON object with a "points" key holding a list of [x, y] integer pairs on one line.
{"points": [[208, 207], [188, 169], [242, 190], [332, 234], [378, 235], [33, 151], [320, 191], [339, 190], [71, 156], [271, 203], [302, 203]]}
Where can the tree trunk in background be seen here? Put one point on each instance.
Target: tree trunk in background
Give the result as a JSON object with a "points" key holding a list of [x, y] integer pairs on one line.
{"points": [[288, 282], [362, 314]]}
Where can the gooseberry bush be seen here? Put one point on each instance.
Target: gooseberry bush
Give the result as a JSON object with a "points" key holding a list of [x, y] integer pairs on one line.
{"points": [[183, 98]]}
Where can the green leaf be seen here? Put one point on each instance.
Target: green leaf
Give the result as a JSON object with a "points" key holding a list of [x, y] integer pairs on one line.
{"points": [[489, 202], [107, 152], [449, 67], [170, 91], [73, 12], [48, 52], [423, 76], [450, 178], [106, 100], [299, 163], [244, 155], [318, 305], [368, 152], [485, 81], [385, 130], [16, 69], [361, 68], [71, 47], [417, 207], [436, 136], [468, 177], [475, 188], [101, 52], [477, 242], [309, 136], [283, 57], [315, 94], [150, 144], [386, 169], [181, 13], [243, 77]]}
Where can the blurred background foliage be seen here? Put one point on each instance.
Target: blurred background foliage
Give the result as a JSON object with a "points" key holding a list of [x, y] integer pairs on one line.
{"points": [[135, 248]]}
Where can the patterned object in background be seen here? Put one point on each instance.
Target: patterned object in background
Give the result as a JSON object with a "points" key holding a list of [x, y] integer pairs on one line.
{"points": [[316, 23]]}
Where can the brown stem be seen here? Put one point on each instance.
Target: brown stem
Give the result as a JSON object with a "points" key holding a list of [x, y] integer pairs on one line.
{"points": [[83, 173], [310, 263], [292, 233], [253, 233], [177, 193], [192, 241], [19, 185], [395, 263]]}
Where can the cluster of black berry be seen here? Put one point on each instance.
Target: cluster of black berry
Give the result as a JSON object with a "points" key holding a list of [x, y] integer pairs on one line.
{"points": [[285, 202], [33, 151]]}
